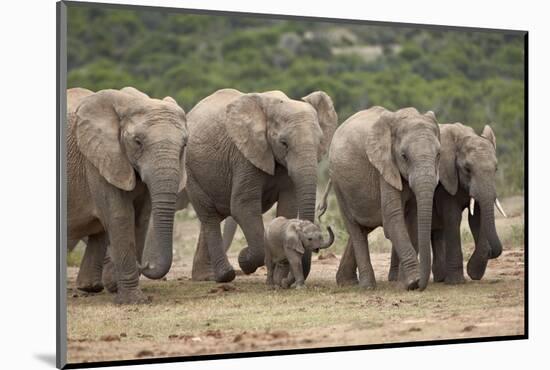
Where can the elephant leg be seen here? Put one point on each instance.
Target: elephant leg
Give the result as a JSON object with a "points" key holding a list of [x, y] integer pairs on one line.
{"points": [[360, 245], [202, 268], [395, 229], [394, 266], [280, 272], [270, 267], [229, 230], [347, 269], [453, 248], [223, 271], [89, 274], [478, 261], [109, 276], [412, 231], [439, 266], [119, 220], [246, 209], [144, 226], [287, 281], [296, 268]]}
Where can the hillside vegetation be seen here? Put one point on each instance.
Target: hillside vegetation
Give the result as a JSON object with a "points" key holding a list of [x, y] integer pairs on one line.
{"points": [[471, 77]]}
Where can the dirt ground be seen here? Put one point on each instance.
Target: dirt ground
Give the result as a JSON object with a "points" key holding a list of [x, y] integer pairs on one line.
{"points": [[191, 318]]}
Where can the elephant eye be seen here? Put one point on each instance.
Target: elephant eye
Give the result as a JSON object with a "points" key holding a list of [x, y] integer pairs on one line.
{"points": [[138, 142], [309, 239], [284, 143], [404, 156]]}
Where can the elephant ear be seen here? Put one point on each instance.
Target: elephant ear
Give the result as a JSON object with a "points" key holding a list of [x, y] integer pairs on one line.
{"points": [[328, 118], [246, 125], [489, 135], [448, 175], [183, 176], [379, 149], [292, 239], [98, 133]]}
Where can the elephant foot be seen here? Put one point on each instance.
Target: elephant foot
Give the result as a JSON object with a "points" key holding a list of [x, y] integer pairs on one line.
{"points": [[131, 296], [225, 275], [280, 273], [476, 268], [346, 278], [410, 280], [109, 277], [412, 284], [393, 275], [286, 283], [300, 286], [203, 274], [90, 286], [366, 284], [248, 262], [455, 279]]}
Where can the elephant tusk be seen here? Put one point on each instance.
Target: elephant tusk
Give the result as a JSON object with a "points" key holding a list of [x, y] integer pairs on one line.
{"points": [[472, 205], [499, 207]]}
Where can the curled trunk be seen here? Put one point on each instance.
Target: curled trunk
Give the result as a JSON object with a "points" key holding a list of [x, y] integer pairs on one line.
{"points": [[157, 256], [330, 240]]}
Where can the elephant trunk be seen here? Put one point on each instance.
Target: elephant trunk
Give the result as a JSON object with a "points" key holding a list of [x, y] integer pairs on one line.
{"points": [[304, 178], [424, 201], [489, 228], [163, 186], [330, 240]]}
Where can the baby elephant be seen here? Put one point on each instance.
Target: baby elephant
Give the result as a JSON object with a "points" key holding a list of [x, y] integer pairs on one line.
{"points": [[285, 243]]}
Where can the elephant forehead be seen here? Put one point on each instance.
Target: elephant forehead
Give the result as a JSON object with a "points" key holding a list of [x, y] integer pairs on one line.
{"points": [[479, 146]]}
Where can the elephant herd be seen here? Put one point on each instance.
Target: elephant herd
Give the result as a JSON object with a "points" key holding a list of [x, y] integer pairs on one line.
{"points": [[132, 161]]}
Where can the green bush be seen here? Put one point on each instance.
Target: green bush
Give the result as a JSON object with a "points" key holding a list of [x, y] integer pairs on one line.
{"points": [[470, 77]]}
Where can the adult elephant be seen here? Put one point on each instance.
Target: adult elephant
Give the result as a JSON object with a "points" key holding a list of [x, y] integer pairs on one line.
{"points": [[467, 180], [380, 161], [124, 161], [467, 170], [246, 152]]}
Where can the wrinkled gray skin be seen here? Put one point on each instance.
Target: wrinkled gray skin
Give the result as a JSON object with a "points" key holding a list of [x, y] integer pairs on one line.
{"points": [[379, 161], [286, 241], [125, 162], [467, 170], [246, 152], [88, 273]]}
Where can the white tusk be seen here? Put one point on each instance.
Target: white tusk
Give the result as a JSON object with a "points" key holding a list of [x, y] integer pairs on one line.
{"points": [[472, 204], [499, 207]]}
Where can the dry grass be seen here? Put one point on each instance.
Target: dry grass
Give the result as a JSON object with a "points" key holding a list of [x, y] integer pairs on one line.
{"points": [[188, 318]]}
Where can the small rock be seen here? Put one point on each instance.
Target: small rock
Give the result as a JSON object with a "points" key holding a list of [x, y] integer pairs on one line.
{"points": [[110, 338], [468, 328], [145, 353]]}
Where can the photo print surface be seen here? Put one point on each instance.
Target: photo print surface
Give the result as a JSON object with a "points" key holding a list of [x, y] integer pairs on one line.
{"points": [[241, 184]]}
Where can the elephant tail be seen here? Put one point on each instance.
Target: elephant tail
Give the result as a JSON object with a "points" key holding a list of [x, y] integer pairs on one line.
{"points": [[322, 206]]}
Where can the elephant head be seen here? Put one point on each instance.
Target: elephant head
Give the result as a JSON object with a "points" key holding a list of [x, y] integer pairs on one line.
{"points": [[405, 145], [270, 129], [311, 237], [128, 137], [469, 161]]}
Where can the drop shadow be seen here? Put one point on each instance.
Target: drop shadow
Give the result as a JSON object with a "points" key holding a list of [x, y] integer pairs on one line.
{"points": [[47, 358]]}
